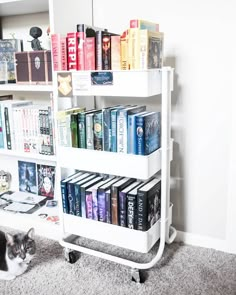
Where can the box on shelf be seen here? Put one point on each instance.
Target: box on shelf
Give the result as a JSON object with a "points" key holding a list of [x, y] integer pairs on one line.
{"points": [[33, 67]]}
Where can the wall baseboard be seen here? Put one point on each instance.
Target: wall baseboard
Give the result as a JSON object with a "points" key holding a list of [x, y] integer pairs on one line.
{"points": [[204, 241]]}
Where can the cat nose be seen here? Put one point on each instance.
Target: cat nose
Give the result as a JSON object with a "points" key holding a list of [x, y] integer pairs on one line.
{"points": [[23, 256]]}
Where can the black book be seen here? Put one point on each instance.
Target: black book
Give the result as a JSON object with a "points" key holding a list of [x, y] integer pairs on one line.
{"points": [[147, 199]]}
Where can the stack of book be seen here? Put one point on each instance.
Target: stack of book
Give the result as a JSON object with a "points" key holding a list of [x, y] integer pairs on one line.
{"points": [[93, 48], [122, 129], [120, 201]]}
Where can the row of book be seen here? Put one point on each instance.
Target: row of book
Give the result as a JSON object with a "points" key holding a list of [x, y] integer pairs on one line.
{"points": [[121, 128], [93, 48], [25, 127], [121, 201]]}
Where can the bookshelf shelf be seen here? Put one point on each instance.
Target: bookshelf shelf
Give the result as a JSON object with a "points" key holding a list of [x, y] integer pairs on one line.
{"points": [[112, 163], [134, 83], [18, 7], [25, 88], [18, 154]]}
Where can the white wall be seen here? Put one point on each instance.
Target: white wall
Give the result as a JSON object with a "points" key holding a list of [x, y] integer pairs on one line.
{"points": [[199, 44]]}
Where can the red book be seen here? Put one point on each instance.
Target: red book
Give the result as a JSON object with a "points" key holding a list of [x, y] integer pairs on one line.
{"points": [[90, 53], [72, 51]]}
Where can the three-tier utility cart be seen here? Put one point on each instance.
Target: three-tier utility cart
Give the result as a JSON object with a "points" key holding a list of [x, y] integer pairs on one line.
{"points": [[134, 84]]}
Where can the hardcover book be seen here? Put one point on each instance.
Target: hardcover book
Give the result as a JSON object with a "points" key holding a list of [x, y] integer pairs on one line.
{"points": [[124, 38], [82, 128], [27, 177], [115, 53], [123, 203], [148, 129], [46, 180], [122, 126], [89, 62], [78, 201], [64, 191], [98, 132], [102, 199], [115, 190], [8, 47], [147, 204], [72, 51], [59, 52]]}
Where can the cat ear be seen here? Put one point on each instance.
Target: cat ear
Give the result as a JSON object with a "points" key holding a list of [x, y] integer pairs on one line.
{"points": [[30, 233], [10, 239]]}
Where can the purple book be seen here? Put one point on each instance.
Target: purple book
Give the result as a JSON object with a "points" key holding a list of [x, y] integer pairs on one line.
{"points": [[89, 205]]}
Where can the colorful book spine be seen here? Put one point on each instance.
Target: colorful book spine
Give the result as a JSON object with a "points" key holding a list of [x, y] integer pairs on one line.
{"points": [[90, 53], [81, 130], [74, 130], [1, 129], [115, 53], [72, 51], [101, 205], [89, 131], [124, 50], [89, 204], [59, 52], [108, 206], [106, 51], [98, 131]]}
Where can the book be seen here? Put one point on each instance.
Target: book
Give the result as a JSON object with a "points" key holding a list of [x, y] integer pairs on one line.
{"points": [[147, 204], [115, 53], [59, 52], [122, 126], [8, 47], [46, 180], [71, 192], [98, 132], [27, 176], [89, 62], [78, 201], [124, 38], [102, 198], [89, 129], [82, 128], [115, 189], [131, 132], [148, 130], [72, 42], [74, 130], [83, 189], [123, 203], [151, 49], [132, 207], [64, 191], [134, 40], [106, 51]]}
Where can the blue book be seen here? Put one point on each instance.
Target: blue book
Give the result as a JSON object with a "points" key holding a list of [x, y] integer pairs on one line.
{"points": [[78, 207], [98, 132], [71, 191], [64, 192], [122, 126], [147, 133], [131, 133], [1, 130]]}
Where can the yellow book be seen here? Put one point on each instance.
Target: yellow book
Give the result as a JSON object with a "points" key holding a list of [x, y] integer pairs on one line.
{"points": [[124, 50]]}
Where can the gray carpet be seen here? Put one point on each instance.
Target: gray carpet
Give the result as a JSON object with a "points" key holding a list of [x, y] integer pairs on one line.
{"points": [[182, 270]]}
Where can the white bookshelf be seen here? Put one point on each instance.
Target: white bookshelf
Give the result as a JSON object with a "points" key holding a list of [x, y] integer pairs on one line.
{"points": [[22, 155], [13, 87]]}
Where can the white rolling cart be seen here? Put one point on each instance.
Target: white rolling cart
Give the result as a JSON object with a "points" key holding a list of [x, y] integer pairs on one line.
{"points": [[125, 83]]}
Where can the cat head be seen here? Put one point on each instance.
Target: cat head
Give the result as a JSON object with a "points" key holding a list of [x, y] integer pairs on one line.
{"points": [[21, 247]]}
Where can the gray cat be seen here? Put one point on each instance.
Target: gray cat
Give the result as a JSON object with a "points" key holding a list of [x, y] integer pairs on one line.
{"points": [[16, 252]]}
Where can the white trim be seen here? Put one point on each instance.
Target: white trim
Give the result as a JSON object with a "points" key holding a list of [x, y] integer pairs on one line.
{"points": [[204, 241]]}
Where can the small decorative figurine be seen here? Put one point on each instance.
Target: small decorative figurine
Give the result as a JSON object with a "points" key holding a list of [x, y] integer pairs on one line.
{"points": [[5, 181], [36, 32]]}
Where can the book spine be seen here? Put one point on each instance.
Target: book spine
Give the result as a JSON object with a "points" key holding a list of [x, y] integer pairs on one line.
{"points": [[113, 131], [131, 211], [106, 126], [63, 54], [142, 24], [72, 51], [121, 132], [115, 53], [98, 58], [143, 55], [124, 50], [2, 126], [139, 127], [77, 200], [55, 45], [90, 53], [134, 49], [71, 198], [89, 205], [65, 204], [89, 132], [142, 214], [131, 135], [114, 205], [83, 202], [95, 204], [74, 130], [108, 206], [51, 136], [1, 130], [98, 132], [8, 130], [101, 206], [106, 52], [122, 209], [81, 130], [81, 47]]}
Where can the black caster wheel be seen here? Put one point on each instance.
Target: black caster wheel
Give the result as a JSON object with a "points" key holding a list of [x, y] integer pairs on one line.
{"points": [[137, 276], [72, 258]]}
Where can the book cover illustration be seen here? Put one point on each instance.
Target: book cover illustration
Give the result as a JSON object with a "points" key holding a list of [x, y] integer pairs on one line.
{"points": [[46, 180], [27, 177], [64, 81]]}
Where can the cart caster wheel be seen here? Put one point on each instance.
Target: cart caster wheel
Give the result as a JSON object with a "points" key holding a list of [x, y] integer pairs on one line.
{"points": [[137, 276], [70, 256]]}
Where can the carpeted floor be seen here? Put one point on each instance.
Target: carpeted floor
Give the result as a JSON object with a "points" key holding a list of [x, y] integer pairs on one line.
{"points": [[182, 270]]}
